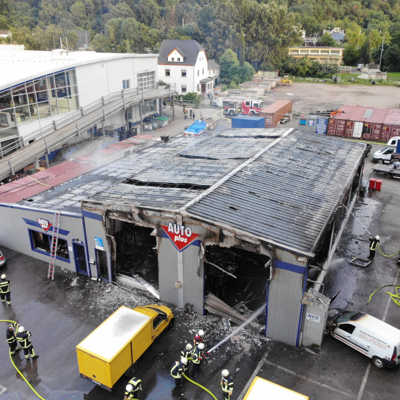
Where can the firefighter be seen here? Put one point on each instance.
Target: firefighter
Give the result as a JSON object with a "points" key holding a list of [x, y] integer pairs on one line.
{"points": [[133, 389], [5, 294], [198, 338], [226, 384], [373, 243], [24, 340], [188, 352], [178, 369], [11, 339], [197, 356]]}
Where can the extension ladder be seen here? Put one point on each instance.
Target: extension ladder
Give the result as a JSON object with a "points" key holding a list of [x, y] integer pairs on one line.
{"points": [[54, 244]]}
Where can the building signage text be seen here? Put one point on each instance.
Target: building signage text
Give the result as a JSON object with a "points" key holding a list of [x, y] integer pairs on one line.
{"points": [[180, 235]]}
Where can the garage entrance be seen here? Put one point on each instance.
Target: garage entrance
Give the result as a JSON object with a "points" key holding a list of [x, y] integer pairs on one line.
{"points": [[243, 284], [136, 252]]}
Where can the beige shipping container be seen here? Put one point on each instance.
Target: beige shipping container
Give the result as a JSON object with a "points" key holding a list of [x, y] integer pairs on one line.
{"points": [[275, 112]]}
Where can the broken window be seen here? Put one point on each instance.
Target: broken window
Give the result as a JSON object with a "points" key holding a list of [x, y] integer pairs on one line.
{"points": [[41, 242], [236, 276], [136, 252]]}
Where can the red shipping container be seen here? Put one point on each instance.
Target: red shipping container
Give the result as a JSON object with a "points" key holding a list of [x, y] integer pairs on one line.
{"points": [[372, 184], [378, 185]]}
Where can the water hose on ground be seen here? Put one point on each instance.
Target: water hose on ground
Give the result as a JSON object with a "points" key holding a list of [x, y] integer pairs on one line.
{"points": [[16, 368], [200, 386], [382, 253], [395, 297]]}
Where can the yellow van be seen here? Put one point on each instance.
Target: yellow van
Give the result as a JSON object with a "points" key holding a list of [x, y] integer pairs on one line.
{"points": [[117, 343], [261, 389]]}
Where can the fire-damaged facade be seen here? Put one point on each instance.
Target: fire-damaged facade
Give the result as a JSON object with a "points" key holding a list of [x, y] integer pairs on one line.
{"points": [[247, 217]]}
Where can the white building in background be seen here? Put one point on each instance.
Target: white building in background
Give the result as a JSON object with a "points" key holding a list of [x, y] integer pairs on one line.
{"points": [[183, 65], [37, 87]]}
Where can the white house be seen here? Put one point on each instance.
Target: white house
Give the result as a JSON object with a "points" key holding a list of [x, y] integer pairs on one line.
{"points": [[183, 65]]}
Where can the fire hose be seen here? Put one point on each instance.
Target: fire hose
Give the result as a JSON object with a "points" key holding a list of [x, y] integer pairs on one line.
{"points": [[17, 369], [395, 297], [381, 252], [200, 386]]}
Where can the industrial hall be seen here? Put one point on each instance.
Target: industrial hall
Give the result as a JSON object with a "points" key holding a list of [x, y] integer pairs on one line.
{"points": [[245, 216]]}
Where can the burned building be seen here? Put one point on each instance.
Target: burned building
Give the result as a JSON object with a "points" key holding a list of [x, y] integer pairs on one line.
{"points": [[244, 215]]}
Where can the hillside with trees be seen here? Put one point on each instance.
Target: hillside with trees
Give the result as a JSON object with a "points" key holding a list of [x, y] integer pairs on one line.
{"points": [[258, 32]]}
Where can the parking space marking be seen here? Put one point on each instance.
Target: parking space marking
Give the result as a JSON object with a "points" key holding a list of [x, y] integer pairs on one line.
{"points": [[368, 370], [305, 378], [253, 375]]}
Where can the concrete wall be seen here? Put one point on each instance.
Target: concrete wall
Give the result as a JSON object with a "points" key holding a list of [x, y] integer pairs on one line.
{"points": [[95, 237], [181, 273], [20, 220], [100, 79], [284, 298]]}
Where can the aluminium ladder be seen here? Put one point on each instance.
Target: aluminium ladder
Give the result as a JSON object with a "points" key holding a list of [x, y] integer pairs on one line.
{"points": [[54, 245]]}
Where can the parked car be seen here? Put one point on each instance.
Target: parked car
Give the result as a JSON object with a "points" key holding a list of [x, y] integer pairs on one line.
{"points": [[384, 155], [3, 260], [368, 335]]}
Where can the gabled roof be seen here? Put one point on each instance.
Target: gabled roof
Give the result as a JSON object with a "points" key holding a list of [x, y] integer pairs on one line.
{"points": [[188, 48]]}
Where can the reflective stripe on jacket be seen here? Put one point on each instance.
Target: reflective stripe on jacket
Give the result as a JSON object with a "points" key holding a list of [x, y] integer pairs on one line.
{"points": [[177, 370], [24, 339], [4, 286], [373, 244], [226, 385]]}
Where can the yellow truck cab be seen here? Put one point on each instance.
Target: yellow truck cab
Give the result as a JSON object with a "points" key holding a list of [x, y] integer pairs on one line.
{"points": [[261, 389], [118, 342]]}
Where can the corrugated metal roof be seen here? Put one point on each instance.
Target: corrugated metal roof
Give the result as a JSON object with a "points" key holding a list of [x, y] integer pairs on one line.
{"points": [[287, 195], [145, 196], [274, 107], [223, 147]]}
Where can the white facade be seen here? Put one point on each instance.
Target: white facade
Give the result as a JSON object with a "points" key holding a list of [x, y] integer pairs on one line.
{"points": [[182, 77], [31, 95]]}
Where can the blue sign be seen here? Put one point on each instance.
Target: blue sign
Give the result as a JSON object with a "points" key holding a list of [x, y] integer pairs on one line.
{"points": [[98, 241]]}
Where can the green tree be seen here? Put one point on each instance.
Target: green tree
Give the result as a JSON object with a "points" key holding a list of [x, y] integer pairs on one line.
{"points": [[327, 40]]}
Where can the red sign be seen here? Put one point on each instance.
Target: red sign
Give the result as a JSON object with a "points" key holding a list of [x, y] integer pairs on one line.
{"points": [[44, 224], [179, 235]]}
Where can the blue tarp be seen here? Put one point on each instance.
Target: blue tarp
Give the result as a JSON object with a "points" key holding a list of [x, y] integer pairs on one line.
{"points": [[245, 121], [197, 127]]}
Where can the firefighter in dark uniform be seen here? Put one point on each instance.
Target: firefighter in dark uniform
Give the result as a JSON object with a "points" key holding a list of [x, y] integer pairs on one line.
{"points": [[133, 389], [373, 243], [187, 353], [24, 340], [11, 339], [226, 384], [5, 294], [178, 369], [197, 357]]}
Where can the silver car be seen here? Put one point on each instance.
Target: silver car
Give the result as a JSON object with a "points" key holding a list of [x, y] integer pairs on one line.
{"points": [[3, 260]]}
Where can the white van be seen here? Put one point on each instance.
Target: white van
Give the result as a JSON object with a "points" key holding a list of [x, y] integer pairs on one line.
{"points": [[368, 335], [393, 141], [384, 155]]}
